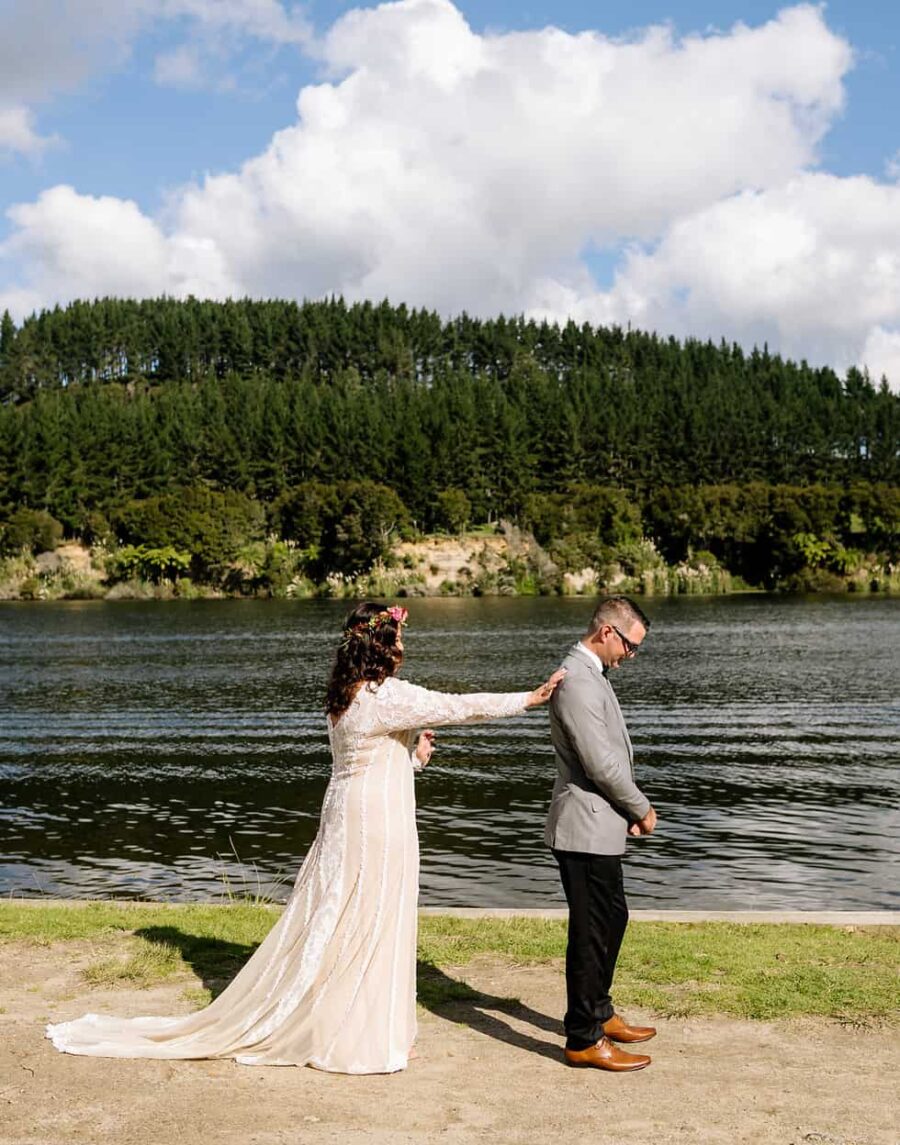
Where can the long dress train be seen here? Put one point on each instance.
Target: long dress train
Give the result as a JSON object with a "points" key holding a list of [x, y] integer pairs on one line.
{"points": [[333, 984]]}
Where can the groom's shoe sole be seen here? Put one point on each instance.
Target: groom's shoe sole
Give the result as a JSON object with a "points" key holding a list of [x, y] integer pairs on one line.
{"points": [[604, 1055]]}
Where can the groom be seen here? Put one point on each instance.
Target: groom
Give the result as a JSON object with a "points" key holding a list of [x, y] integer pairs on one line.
{"points": [[595, 802]]}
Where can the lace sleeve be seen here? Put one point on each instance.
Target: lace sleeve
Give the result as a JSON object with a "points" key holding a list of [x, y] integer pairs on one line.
{"points": [[399, 706]]}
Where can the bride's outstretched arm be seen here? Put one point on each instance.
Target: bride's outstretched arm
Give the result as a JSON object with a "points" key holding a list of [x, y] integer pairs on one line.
{"points": [[400, 706]]}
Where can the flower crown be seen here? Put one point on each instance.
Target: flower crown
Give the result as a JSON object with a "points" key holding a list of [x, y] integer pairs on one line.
{"points": [[396, 613]]}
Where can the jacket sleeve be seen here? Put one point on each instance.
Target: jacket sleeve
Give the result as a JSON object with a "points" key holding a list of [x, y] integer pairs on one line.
{"points": [[584, 717], [400, 706]]}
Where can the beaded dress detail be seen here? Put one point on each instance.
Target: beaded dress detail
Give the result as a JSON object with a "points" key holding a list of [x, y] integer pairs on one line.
{"points": [[333, 984]]}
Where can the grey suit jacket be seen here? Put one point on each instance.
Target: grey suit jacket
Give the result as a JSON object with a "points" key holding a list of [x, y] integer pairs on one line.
{"points": [[595, 796]]}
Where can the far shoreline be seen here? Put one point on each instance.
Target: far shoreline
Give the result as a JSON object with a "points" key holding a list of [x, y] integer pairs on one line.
{"points": [[222, 598], [461, 566]]}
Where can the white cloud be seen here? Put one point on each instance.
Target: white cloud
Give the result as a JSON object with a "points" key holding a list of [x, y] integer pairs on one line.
{"points": [[456, 170], [180, 67], [18, 300], [17, 133], [105, 243], [263, 19], [811, 266], [54, 46], [881, 353], [219, 31], [453, 169], [108, 247]]}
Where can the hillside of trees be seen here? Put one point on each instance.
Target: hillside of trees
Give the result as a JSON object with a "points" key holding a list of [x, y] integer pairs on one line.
{"points": [[204, 428]]}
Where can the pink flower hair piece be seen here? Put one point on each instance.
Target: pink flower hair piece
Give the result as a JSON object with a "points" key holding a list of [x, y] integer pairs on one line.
{"points": [[395, 613]]}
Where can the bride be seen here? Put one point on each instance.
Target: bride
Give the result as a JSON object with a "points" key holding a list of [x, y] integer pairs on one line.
{"points": [[333, 984]]}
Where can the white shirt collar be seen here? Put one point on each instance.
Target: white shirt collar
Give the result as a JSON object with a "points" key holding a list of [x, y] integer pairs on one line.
{"points": [[580, 647]]}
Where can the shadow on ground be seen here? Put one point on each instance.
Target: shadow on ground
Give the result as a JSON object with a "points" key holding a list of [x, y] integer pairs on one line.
{"points": [[457, 1001], [216, 962]]}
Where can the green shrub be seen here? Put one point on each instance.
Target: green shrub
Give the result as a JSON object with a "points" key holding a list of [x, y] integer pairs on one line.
{"points": [[268, 568], [95, 529], [138, 562], [453, 510], [595, 513], [349, 526], [208, 525], [30, 588], [768, 534], [31, 529]]}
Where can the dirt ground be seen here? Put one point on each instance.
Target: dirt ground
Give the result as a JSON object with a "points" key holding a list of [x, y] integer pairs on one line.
{"points": [[486, 1070]]}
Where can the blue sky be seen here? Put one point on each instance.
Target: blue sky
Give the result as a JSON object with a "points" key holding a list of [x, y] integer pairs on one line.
{"points": [[145, 108], [124, 134]]}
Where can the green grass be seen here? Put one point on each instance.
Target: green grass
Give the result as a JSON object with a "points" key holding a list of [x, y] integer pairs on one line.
{"points": [[197, 996], [147, 943], [146, 965], [686, 969], [54, 922], [673, 969], [758, 971]]}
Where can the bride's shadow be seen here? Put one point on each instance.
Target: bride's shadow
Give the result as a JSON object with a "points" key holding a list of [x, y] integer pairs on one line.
{"points": [[215, 962], [457, 1001]]}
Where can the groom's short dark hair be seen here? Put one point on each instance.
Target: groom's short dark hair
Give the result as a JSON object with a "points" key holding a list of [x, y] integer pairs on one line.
{"points": [[617, 610]]}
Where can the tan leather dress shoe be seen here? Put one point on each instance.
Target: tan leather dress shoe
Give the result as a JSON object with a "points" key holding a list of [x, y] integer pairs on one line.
{"points": [[604, 1055], [618, 1031]]}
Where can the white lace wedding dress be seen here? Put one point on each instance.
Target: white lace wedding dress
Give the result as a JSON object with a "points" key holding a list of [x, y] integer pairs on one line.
{"points": [[333, 984]]}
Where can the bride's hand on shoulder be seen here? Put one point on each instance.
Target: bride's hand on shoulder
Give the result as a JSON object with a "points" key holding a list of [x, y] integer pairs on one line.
{"points": [[543, 692]]}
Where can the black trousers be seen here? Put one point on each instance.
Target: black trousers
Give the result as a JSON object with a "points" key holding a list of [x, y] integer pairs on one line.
{"points": [[598, 915]]}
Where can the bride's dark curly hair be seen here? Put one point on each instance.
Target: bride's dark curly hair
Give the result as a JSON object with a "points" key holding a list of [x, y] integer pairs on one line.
{"points": [[367, 652]]}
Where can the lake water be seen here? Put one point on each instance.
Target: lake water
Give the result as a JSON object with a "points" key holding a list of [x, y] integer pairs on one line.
{"points": [[178, 751]]}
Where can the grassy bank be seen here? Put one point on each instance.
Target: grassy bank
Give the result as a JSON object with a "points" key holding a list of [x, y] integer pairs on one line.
{"points": [[760, 971]]}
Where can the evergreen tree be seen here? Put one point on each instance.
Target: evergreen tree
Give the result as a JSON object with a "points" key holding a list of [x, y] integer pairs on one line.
{"points": [[111, 403]]}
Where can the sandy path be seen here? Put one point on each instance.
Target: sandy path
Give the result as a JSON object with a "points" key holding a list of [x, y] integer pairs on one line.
{"points": [[486, 1071]]}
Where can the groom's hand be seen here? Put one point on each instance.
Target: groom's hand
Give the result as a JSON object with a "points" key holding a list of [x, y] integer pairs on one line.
{"points": [[644, 826]]}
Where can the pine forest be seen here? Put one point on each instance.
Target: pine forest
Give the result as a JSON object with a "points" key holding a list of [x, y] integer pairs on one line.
{"points": [[277, 448]]}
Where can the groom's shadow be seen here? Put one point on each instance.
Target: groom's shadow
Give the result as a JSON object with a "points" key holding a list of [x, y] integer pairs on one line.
{"points": [[216, 962], [457, 1001]]}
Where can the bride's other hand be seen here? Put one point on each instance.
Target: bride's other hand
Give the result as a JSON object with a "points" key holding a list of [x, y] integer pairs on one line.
{"points": [[542, 694], [425, 746]]}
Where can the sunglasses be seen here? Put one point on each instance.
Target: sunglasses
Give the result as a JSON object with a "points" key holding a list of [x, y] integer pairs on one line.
{"points": [[631, 649]]}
